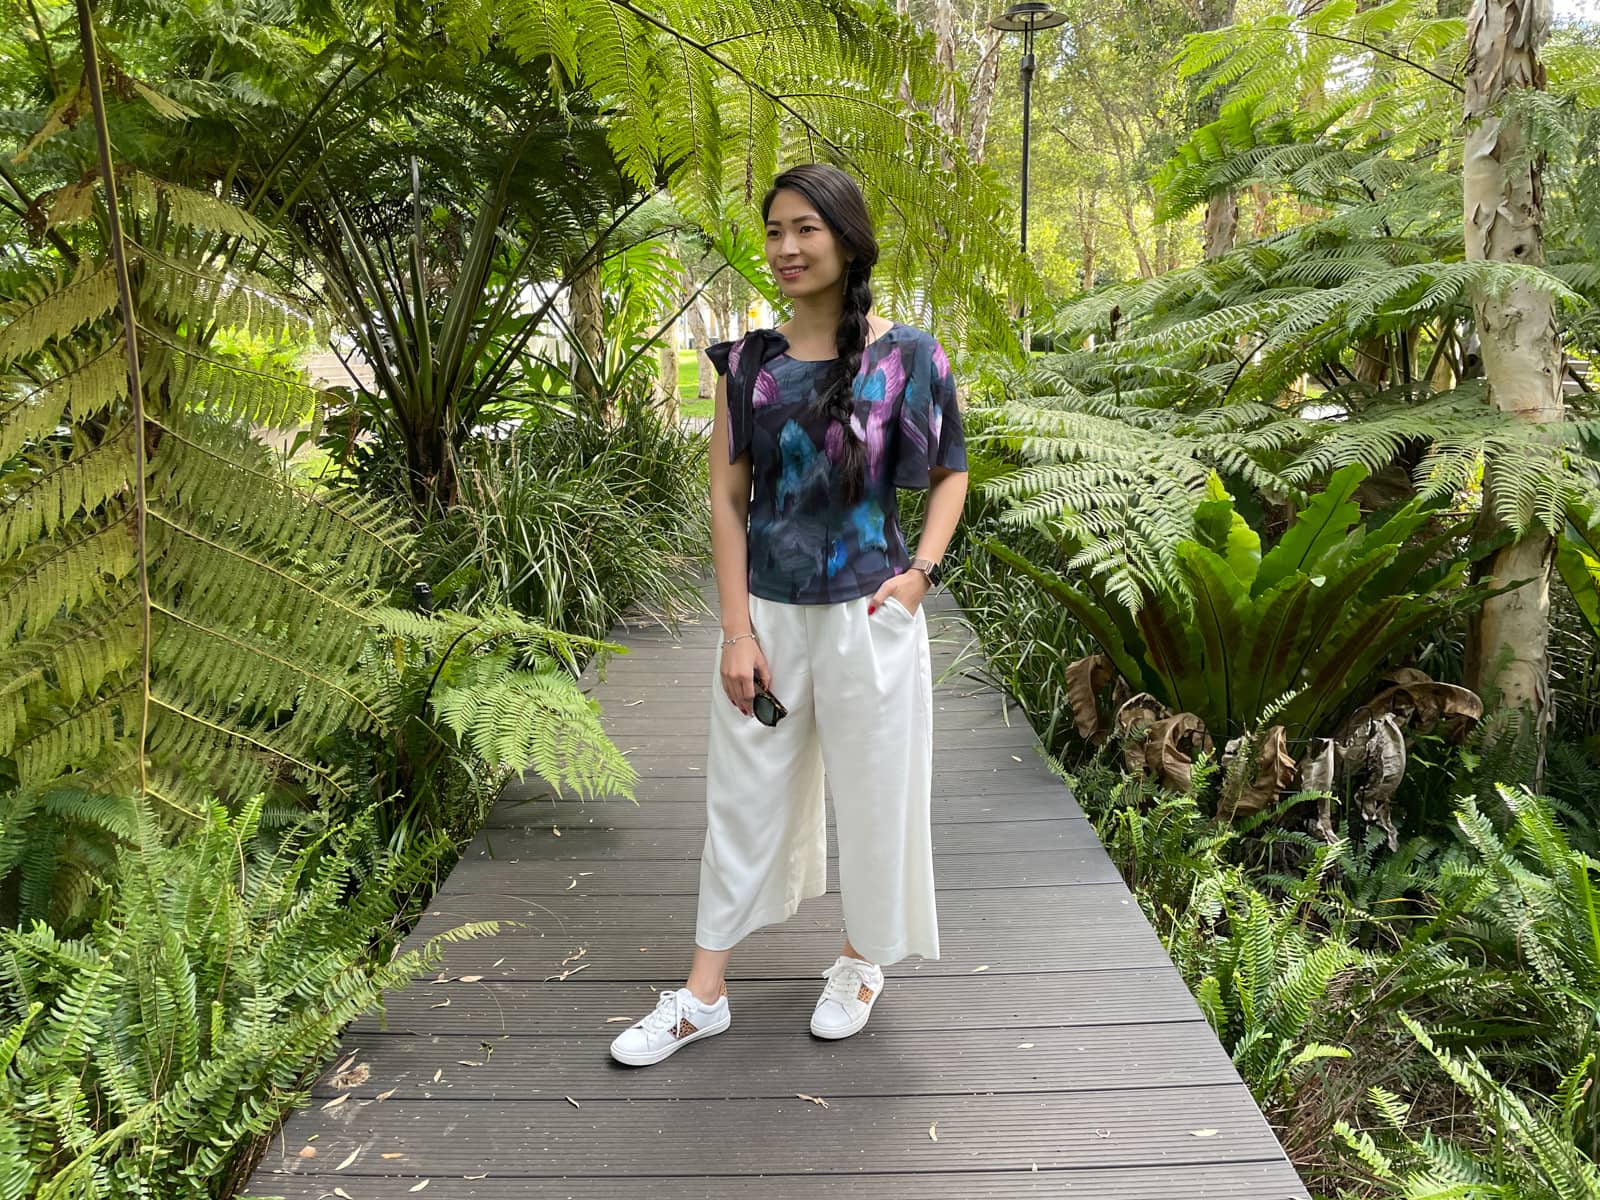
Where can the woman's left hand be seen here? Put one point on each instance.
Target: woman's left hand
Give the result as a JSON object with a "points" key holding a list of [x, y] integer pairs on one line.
{"points": [[908, 587]]}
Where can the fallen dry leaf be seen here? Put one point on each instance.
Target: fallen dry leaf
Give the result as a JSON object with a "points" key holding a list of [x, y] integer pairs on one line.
{"points": [[581, 951], [418, 1187], [437, 1074], [464, 1062], [469, 979], [336, 1101], [341, 1193], [581, 874], [1024, 1045], [346, 1063], [1202, 1133], [443, 1004], [573, 1102], [350, 1158], [392, 1154], [555, 831], [1015, 758], [644, 949], [381, 1097], [485, 1175], [933, 1136], [1102, 1133], [975, 970], [612, 1020], [354, 1077], [818, 1100], [572, 885], [568, 971], [496, 963], [308, 1152]]}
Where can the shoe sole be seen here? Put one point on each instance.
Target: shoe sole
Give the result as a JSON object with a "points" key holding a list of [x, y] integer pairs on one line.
{"points": [[671, 1048]]}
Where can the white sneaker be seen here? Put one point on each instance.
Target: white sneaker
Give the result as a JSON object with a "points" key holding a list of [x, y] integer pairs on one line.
{"points": [[679, 1018], [846, 1003]]}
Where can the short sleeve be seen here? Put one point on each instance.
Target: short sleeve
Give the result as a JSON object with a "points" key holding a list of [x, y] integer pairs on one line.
{"points": [[742, 362], [724, 357], [930, 419], [718, 354]]}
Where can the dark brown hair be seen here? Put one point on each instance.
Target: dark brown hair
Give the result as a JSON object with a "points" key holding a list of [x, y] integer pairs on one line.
{"points": [[839, 202]]}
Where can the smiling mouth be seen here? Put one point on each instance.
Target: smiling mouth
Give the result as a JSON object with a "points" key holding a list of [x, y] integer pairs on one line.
{"points": [[790, 272]]}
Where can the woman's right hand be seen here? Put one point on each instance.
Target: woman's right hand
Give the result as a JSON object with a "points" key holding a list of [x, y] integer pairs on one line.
{"points": [[741, 663]]}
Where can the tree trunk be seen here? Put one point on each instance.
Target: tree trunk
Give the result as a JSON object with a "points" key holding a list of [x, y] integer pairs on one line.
{"points": [[980, 97], [1509, 650], [667, 374], [1222, 210], [588, 329], [700, 330], [1088, 234]]}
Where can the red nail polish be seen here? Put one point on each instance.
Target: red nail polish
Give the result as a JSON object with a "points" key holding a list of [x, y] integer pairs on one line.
{"points": [[871, 608]]}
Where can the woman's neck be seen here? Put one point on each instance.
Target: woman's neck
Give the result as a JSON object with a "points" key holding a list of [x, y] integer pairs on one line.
{"points": [[813, 327]]}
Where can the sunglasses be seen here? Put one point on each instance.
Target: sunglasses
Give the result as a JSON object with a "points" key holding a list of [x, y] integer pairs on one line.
{"points": [[767, 707]]}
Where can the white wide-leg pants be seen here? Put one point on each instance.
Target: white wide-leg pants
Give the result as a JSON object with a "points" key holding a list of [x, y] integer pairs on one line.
{"points": [[859, 690]]}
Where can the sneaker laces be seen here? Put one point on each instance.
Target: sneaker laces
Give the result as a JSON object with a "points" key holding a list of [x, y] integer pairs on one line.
{"points": [[668, 1013], [845, 978]]}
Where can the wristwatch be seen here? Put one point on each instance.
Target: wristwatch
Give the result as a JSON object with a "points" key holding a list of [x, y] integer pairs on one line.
{"points": [[931, 569]]}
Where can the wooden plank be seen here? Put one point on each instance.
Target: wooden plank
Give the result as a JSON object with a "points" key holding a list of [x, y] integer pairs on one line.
{"points": [[627, 841], [595, 877], [758, 1062], [655, 946], [552, 1138], [578, 1008], [1266, 1180], [685, 807]]}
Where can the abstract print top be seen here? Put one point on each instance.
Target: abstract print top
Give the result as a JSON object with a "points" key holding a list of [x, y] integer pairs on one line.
{"points": [[806, 546]]}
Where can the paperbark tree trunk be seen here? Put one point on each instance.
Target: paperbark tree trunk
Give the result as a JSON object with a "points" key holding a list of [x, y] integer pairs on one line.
{"points": [[588, 328], [1222, 210], [1509, 652], [980, 95]]}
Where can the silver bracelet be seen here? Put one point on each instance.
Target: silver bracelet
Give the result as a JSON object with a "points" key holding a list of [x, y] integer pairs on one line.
{"points": [[737, 636]]}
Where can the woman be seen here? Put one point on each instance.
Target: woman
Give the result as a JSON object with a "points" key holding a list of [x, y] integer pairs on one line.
{"points": [[822, 419]]}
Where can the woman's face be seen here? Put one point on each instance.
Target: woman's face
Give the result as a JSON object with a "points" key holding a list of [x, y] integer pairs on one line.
{"points": [[797, 237]]}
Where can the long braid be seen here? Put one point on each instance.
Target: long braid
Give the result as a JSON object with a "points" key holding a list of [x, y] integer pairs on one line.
{"points": [[838, 390]]}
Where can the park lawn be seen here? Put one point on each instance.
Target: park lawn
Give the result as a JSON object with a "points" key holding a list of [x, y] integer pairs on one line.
{"points": [[689, 405]]}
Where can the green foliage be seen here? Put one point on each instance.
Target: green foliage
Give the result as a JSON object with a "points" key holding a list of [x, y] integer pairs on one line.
{"points": [[151, 1056], [1314, 962], [190, 633], [1310, 620], [1346, 338], [184, 621], [575, 518], [1529, 1149], [472, 700]]}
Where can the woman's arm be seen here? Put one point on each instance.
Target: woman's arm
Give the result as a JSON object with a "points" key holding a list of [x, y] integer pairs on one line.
{"points": [[947, 495], [730, 515], [730, 555]]}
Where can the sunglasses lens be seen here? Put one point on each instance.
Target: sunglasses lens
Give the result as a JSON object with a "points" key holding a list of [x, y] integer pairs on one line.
{"points": [[765, 712]]}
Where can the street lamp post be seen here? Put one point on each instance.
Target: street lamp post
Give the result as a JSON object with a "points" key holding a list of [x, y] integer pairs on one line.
{"points": [[1027, 18]]}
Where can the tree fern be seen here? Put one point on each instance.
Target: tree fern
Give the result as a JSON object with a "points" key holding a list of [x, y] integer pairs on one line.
{"points": [[1343, 338], [181, 620]]}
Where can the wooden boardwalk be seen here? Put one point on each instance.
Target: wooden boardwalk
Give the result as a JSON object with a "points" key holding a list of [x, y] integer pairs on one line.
{"points": [[1053, 1048]]}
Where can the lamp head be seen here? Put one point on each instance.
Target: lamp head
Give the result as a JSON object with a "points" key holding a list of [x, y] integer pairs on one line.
{"points": [[1028, 16]]}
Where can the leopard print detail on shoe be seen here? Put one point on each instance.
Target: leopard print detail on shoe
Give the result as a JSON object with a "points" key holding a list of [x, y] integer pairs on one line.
{"points": [[865, 994], [684, 1029]]}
